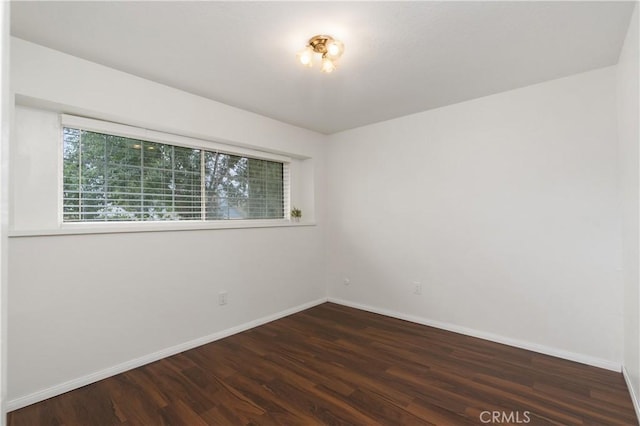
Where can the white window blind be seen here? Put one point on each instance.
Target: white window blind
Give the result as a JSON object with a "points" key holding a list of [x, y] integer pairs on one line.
{"points": [[114, 178]]}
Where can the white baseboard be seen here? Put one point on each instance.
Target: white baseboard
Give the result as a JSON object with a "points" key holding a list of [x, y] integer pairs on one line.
{"points": [[559, 353], [43, 394], [632, 393]]}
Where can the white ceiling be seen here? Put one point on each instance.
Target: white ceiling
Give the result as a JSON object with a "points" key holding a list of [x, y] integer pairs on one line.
{"points": [[400, 57]]}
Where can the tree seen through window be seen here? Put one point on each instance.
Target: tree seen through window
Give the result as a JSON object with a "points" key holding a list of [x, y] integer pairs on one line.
{"points": [[114, 178]]}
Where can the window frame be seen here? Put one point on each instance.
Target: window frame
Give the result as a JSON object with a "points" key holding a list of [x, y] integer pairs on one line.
{"points": [[117, 129]]}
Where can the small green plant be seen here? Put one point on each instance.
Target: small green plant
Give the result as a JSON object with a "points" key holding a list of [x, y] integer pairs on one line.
{"points": [[296, 213]]}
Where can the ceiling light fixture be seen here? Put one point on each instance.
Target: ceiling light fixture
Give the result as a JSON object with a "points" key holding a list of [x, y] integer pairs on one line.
{"points": [[329, 48]]}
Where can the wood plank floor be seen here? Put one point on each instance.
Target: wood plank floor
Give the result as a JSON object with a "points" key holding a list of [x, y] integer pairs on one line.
{"points": [[336, 365]]}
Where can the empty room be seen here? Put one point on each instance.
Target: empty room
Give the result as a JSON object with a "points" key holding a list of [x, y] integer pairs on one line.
{"points": [[319, 213]]}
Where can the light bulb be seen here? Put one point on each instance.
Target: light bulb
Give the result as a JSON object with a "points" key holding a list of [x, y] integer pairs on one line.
{"points": [[335, 49], [305, 56], [327, 65]]}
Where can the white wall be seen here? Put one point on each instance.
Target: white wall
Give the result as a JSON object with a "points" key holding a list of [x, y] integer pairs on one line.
{"points": [[629, 137], [86, 305], [5, 119], [505, 208]]}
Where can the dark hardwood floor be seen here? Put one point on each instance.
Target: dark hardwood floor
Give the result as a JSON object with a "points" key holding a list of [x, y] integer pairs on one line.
{"points": [[336, 365]]}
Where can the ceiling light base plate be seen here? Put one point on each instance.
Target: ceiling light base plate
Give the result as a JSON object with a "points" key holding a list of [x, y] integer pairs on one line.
{"points": [[319, 43]]}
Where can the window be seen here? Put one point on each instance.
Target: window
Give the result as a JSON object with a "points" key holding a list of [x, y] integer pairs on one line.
{"points": [[111, 178]]}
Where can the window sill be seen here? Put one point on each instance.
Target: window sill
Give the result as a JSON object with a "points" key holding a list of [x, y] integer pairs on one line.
{"points": [[119, 228]]}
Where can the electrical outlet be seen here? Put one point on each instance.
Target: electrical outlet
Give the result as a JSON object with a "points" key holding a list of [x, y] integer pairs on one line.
{"points": [[346, 281], [222, 298], [417, 287]]}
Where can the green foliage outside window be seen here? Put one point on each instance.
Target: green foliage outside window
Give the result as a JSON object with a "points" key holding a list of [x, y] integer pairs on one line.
{"points": [[114, 178]]}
